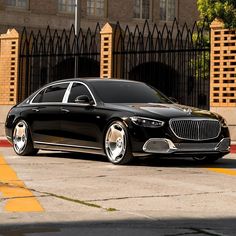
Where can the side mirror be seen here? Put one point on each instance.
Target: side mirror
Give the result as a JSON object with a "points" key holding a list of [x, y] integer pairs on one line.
{"points": [[84, 99], [173, 100]]}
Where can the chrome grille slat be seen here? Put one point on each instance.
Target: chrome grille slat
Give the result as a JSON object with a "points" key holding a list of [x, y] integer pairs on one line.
{"points": [[195, 128]]}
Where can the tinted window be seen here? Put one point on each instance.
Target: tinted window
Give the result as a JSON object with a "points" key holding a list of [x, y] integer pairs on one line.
{"points": [[128, 92], [54, 93], [77, 90]]}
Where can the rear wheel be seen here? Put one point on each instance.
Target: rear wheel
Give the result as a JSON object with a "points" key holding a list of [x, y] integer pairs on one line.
{"points": [[207, 158], [116, 144], [22, 141]]}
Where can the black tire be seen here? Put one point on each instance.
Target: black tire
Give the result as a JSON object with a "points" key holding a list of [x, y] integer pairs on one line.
{"points": [[120, 144], [22, 140], [207, 158]]}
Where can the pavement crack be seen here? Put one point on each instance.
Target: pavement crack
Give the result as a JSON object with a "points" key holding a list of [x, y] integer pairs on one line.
{"points": [[48, 194], [11, 198], [157, 196]]}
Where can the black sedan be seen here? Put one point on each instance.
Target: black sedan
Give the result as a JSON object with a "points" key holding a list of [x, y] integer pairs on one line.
{"points": [[117, 118]]}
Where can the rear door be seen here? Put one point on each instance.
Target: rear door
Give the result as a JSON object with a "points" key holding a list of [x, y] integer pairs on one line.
{"points": [[45, 114]]}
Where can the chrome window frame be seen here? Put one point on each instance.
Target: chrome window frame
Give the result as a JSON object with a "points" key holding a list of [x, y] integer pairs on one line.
{"points": [[66, 95], [52, 103], [73, 103]]}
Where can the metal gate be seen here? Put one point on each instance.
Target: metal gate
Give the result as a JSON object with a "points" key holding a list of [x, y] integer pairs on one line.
{"points": [[50, 55], [174, 59]]}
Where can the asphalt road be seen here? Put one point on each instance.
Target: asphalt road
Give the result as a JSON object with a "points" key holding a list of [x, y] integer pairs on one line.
{"points": [[78, 194]]}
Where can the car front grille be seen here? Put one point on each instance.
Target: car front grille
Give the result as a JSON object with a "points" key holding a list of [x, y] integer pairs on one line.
{"points": [[195, 129]]}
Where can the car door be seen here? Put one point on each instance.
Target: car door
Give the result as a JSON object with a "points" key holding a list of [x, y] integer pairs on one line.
{"points": [[80, 121], [45, 114]]}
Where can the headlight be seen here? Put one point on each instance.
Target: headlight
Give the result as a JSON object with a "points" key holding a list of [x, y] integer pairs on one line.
{"points": [[146, 122]]}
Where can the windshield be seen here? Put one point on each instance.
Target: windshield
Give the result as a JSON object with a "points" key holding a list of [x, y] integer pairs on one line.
{"points": [[127, 92]]}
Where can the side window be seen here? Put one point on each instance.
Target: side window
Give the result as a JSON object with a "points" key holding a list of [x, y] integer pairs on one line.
{"points": [[77, 90], [54, 93]]}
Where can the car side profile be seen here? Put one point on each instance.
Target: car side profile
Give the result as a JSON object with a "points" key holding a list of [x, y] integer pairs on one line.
{"points": [[117, 118]]}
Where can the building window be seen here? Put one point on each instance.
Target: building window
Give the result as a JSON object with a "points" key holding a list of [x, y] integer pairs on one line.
{"points": [[95, 8], [142, 9], [167, 10], [17, 3], [66, 6]]}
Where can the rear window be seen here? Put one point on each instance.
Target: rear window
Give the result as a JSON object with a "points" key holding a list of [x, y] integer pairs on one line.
{"points": [[54, 93]]}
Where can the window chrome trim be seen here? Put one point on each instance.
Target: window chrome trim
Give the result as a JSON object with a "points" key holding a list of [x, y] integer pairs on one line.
{"points": [[49, 85], [73, 103], [67, 145], [66, 95]]}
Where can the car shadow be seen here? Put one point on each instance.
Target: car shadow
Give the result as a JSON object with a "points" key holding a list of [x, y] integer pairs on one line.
{"points": [[148, 161], [126, 227]]}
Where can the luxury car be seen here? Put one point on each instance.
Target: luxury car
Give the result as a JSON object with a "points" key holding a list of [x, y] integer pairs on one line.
{"points": [[118, 118]]}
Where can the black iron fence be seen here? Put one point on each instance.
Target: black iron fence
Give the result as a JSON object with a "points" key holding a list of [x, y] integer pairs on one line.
{"points": [[50, 55], [174, 59]]}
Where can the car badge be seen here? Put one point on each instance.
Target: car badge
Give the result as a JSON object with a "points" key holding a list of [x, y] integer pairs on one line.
{"points": [[188, 111]]}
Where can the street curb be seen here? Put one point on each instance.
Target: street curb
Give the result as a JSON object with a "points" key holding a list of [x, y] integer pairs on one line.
{"points": [[6, 143]]}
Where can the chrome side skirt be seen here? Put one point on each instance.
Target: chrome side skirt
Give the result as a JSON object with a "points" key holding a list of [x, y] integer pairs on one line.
{"points": [[67, 147]]}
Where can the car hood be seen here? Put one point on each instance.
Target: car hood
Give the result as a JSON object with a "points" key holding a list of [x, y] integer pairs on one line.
{"points": [[173, 110], [167, 111]]}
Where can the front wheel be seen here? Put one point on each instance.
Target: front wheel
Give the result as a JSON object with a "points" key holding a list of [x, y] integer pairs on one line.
{"points": [[22, 141], [116, 144]]}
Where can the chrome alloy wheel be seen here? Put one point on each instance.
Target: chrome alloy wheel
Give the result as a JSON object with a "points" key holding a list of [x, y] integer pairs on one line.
{"points": [[115, 142], [20, 137]]}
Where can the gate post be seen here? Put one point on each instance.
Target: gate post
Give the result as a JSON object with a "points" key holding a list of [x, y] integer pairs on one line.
{"points": [[9, 43], [110, 37], [106, 51], [223, 74]]}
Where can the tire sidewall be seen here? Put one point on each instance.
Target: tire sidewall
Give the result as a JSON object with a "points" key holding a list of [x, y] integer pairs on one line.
{"points": [[28, 147], [127, 143]]}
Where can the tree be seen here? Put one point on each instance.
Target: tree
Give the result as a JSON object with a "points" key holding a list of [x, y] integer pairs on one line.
{"points": [[223, 9]]}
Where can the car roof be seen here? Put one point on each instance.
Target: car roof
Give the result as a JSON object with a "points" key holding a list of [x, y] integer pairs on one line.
{"points": [[90, 80]]}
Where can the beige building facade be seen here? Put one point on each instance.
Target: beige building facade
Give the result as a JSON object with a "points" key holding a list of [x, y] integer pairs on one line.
{"points": [[59, 14]]}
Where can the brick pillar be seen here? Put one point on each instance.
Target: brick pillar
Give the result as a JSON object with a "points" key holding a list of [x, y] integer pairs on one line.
{"points": [[223, 73], [110, 38], [9, 43], [106, 51]]}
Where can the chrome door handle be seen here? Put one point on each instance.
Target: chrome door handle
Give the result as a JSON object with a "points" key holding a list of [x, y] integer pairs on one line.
{"points": [[35, 109], [65, 110]]}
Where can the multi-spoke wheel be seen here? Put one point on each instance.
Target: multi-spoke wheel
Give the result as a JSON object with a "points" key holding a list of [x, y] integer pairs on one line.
{"points": [[22, 142], [117, 144]]}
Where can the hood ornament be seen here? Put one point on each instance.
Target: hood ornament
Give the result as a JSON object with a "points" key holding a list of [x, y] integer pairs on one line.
{"points": [[188, 111]]}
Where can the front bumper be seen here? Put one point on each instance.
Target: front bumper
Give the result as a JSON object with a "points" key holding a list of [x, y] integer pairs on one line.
{"points": [[166, 146]]}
